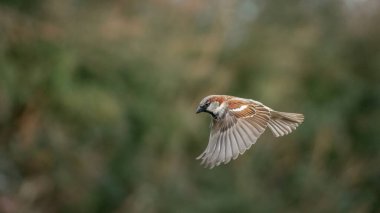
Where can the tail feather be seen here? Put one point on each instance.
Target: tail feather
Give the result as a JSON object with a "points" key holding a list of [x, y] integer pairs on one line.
{"points": [[283, 123]]}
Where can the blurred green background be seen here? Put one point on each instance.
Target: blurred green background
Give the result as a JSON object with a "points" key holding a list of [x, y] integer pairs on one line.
{"points": [[98, 99]]}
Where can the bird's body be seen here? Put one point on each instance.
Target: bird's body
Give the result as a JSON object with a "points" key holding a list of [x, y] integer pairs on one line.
{"points": [[237, 123]]}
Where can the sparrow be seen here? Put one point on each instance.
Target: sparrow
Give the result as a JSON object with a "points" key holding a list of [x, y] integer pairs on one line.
{"points": [[237, 123]]}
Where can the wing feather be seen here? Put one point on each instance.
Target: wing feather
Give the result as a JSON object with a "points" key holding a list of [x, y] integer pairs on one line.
{"points": [[222, 155], [251, 130], [243, 137], [229, 150], [216, 153], [274, 129], [240, 147], [235, 149], [279, 129], [233, 135]]}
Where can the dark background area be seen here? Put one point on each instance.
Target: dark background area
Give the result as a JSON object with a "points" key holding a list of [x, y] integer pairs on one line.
{"points": [[98, 99]]}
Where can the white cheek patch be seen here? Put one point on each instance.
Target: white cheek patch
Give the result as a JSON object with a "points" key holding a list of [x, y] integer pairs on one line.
{"points": [[241, 108], [221, 107]]}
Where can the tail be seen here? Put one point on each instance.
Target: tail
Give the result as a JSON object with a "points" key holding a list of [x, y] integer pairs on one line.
{"points": [[283, 123]]}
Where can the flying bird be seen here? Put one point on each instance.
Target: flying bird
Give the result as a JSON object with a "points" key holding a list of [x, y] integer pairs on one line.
{"points": [[237, 123]]}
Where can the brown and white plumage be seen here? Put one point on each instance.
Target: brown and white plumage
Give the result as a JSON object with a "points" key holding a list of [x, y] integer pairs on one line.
{"points": [[237, 123]]}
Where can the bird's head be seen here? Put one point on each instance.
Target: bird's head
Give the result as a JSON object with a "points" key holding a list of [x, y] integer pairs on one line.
{"points": [[211, 104]]}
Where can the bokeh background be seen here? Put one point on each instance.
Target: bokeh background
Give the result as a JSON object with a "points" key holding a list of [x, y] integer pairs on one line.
{"points": [[98, 99]]}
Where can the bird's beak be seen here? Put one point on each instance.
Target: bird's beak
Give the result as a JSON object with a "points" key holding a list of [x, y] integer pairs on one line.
{"points": [[199, 109]]}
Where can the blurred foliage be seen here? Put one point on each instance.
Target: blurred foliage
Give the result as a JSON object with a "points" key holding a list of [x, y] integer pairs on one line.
{"points": [[97, 103]]}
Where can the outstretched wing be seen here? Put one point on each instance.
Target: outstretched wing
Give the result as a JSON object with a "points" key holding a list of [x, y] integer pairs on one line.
{"points": [[242, 126]]}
